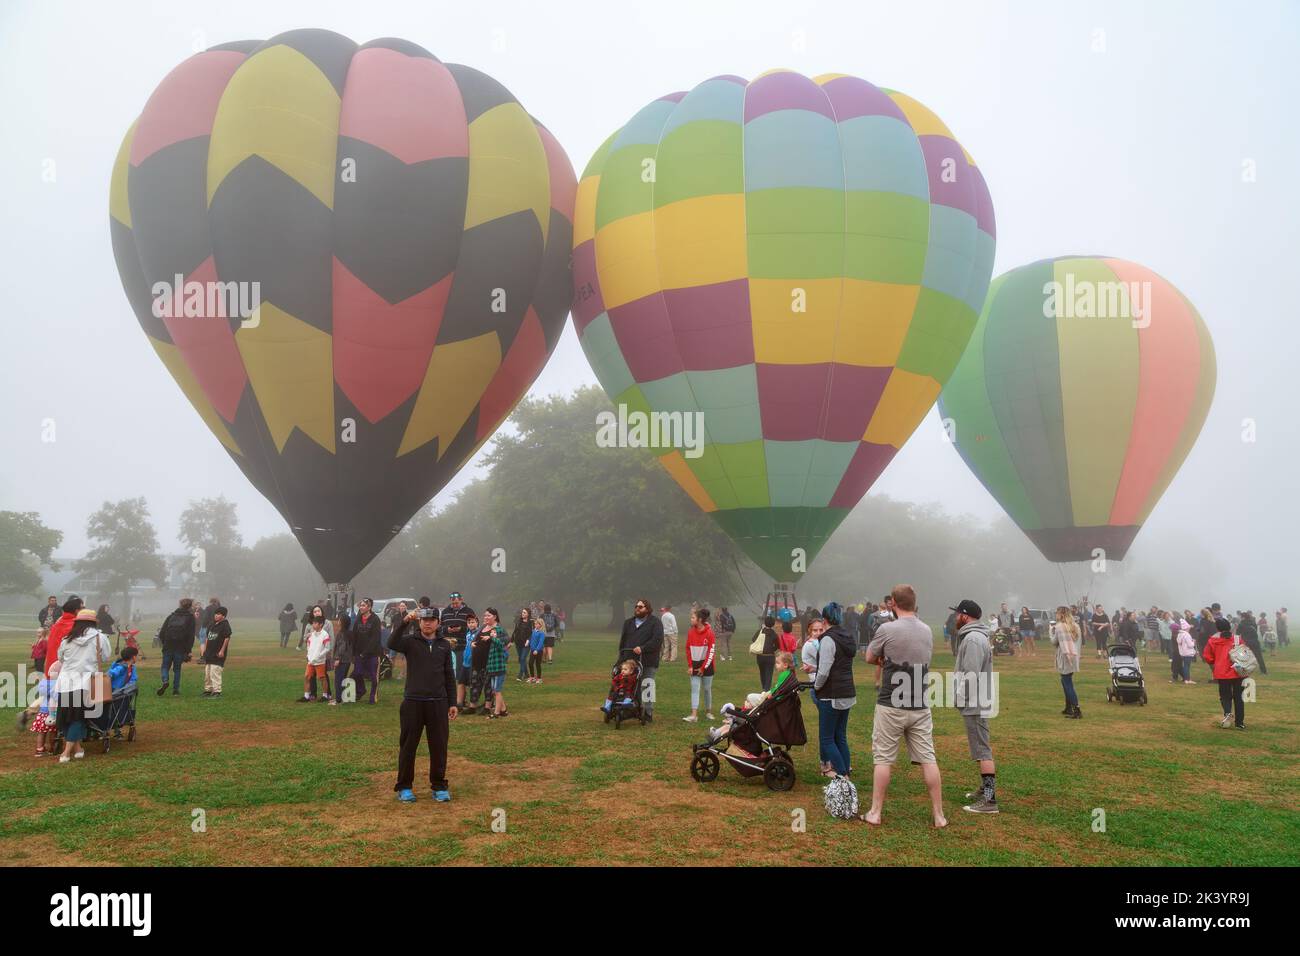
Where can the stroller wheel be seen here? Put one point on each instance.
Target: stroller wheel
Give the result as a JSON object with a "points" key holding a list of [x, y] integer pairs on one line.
{"points": [[779, 775], [1143, 699], [704, 767]]}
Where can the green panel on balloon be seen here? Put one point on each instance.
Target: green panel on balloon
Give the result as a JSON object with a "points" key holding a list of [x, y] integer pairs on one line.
{"points": [[941, 327], [597, 161], [768, 535], [700, 159], [623, 188], [884, 259], [795, 233], [746, 469]]}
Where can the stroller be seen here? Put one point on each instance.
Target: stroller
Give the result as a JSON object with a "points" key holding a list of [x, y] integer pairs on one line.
{"points": [[634, 710], [758, 742], [1003, 641], [1126, 684], [117, 715]]}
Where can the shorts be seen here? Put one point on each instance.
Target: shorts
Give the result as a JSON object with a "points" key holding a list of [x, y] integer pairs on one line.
{"points": [[550, 641], [892, 724], [977, 735], [315, 670], [496, 682]]}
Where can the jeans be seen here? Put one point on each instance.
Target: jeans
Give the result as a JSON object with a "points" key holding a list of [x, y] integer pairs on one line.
{"points": [[521, 651], [725, 639], [766, 663], [172, 660], [696, 683], [1187, 668], [1067, 685], [1230, 698], [832, 736]]}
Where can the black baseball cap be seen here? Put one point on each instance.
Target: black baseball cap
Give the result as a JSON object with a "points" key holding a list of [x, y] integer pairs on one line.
{"points": [[969, 608], [427, 614]]}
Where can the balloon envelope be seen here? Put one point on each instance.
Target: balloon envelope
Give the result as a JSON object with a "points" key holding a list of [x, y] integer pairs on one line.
{"points": [[1082, 391], [354, 260], [799, 262]]}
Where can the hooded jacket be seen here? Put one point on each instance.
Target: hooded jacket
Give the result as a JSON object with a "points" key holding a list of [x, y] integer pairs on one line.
{"points": [[1216, 655], [58, 631], [367, 639], [81, 657], [974, 671]]}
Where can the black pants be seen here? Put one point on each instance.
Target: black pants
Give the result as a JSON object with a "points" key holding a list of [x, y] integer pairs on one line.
{"points": [[766, 663], [419, 717], [1176, 668], [1230, 699], [535, 664], [284, 638], [1259, 654]]}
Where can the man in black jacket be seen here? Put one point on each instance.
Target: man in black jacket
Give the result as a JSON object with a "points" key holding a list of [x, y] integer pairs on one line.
{"points": [[453, 625], [429, 703], [367, 645], [177, 638], [50, 613], [643, 637]]}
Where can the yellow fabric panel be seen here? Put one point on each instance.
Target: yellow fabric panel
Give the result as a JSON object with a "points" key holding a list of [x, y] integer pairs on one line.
{"points": [[919, 117], [291, 367], [455, 380], [625, 259], [119, 205], [175, 362], [281, 107], [681, 472], [823, 78], [784, 337], [874, 322], [701, 241], [906, 399], [584, 211], [507, 168]]}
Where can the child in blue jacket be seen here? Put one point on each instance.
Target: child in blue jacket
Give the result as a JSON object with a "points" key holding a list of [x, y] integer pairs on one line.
{"points": [[536, 644]]}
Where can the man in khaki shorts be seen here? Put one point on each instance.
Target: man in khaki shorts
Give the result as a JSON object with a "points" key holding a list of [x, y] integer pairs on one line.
{"points": [[903, 647]]}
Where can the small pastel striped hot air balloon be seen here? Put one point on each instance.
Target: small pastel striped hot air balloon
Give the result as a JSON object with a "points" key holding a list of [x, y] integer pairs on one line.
{"points": [[407, 227], [801, 262], [1082, 391]]}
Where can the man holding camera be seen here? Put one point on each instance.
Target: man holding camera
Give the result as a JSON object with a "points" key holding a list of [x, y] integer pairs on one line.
{"points": [[429, 703]]}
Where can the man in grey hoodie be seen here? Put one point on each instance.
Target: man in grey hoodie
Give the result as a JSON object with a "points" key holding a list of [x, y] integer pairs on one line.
{"points": [[976, 698]]}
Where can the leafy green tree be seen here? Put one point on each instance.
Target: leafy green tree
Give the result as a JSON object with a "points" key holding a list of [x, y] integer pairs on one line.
{"points": [[124, 548], [25, 545], [580, 523], [217, 561]]}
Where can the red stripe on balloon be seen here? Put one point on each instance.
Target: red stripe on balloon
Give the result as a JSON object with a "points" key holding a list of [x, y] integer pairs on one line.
{"points": [[207, 344], [185, 102], [522, 364], [408, 106]]}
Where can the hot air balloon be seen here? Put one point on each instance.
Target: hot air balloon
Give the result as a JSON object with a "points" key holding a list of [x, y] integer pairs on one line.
{"points": [[799, 262], [405, 229], [1082, 391]]}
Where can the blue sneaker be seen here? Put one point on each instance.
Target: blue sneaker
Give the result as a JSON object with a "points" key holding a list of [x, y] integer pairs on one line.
{"points": [[406, 796], [442, 796]]}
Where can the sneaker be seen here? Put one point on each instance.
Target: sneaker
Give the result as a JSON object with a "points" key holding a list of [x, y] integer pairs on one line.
{"points": [[442, 796], [325, 699], [406, 796], [304, 699], [982, 806], [64, 758], [334, 703], [216, 696], [1240, 726], [81, 753], [206, 693], [1226, 721], [709, 717], [163, 689], [689, 719]]}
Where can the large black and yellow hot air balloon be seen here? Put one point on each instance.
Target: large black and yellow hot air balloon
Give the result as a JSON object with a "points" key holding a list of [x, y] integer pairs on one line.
{"points": [[404, 226], [1082, 391]]}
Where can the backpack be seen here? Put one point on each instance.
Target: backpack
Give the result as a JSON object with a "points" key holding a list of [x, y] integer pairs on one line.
{"points": [[174, 628], [1243, 658], [842, 798]]}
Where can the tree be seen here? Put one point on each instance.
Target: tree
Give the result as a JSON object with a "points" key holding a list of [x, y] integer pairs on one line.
{"points": [[586, 523], [279, 572], [124, 548], [217, 562], [25, 545]]}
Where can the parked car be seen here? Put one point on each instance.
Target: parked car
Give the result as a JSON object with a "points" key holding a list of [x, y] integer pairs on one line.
{"points": [[1042, 622]]}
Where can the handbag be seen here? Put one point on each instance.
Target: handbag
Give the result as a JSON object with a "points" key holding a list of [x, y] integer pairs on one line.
{"points": [[1243, 658], [758, 643], [842, 798], [101, 685]]}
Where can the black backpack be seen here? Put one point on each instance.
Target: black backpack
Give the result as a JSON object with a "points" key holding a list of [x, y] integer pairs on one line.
{"points": [[175, 627]]}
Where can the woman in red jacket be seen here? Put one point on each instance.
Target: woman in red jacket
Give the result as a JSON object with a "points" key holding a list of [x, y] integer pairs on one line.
{"points": [[700, 646], [1216, 653]]}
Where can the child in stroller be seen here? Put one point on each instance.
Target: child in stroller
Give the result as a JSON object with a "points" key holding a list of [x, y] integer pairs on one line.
{"points": [[756, 738], [1126, 683], [624, 701]]}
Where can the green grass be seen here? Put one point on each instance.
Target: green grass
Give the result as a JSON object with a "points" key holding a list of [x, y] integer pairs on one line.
{"points": [[282, 783]]}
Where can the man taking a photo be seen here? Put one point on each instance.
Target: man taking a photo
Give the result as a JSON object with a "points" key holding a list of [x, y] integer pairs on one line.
{"points": [[428, 704]]}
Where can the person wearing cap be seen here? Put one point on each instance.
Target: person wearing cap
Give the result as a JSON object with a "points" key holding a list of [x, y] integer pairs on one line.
{"points": [[215, 652], [453, 622], [80, 655], [903, 647], [1217, 654], [973, 698], [669, 621], [428, 702]]}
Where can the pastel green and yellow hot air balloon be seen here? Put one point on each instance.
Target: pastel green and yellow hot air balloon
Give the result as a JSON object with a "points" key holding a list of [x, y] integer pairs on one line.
{"points": [[403, 226], [1083, 389], [798, 261]]}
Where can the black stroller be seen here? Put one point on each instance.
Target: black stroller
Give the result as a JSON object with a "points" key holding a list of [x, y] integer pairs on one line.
{"points": [[114, 717], [1126, 684], [635, 708], [757, 742]]}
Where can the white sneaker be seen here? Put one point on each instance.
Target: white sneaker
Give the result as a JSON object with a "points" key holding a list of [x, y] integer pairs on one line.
{"points": [[689, 719], [709, 717], [1226, 721], [81, 753], [64, 758]]}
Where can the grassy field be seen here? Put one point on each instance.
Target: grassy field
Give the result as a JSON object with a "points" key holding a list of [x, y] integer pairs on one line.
{"points": [[281, 783]]}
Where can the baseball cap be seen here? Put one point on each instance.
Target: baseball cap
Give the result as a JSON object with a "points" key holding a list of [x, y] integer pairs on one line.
{"points": [[453, 595], [427, 614], [968, 607]]}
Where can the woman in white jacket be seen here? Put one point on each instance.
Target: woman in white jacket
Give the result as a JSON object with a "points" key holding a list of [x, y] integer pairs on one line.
{"points": [[80, 653]]}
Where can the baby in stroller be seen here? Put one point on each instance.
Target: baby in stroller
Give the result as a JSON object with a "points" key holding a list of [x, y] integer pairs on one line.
{"points": [[781, 673], [622, 686]]}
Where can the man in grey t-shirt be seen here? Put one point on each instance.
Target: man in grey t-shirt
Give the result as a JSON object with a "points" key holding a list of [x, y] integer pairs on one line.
{"points": [[903, 648]]}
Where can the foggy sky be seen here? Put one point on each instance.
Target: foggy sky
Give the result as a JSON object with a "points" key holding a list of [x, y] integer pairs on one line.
{"points": [[1134, 152]]}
